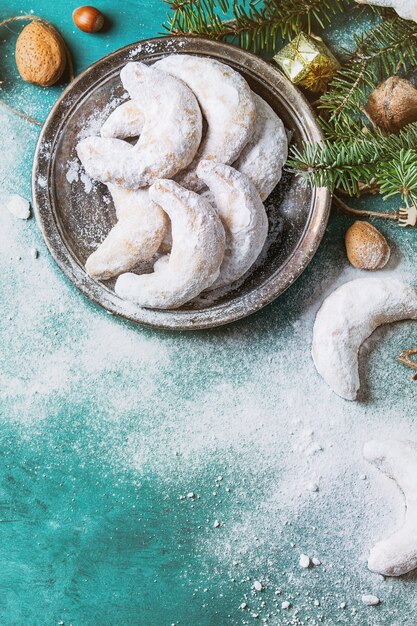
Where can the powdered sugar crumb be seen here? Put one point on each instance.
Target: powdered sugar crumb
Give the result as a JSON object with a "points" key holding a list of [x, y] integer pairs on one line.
{"points": [[18, 206], [73, 171], [87, 182]]}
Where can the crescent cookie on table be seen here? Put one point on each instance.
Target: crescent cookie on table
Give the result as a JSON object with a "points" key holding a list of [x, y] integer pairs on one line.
{"points": [[136, 237], [242, 214], [169, 139], [227, 104], [263, 158], [198, 244], [347, 318]]}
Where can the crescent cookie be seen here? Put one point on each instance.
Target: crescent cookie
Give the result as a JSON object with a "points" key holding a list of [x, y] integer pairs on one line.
{"points": [[397, 553], [227, 105], [405, 8], [198, 243], [135, 238], [169, 139], [126, 120], [263, 158], [349, 316], [243, 216]]}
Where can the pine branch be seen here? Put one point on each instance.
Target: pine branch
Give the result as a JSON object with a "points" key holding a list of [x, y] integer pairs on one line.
{"points": [[390, 160], [389, 47], [355, 152], [398, 175], [255, 25]]}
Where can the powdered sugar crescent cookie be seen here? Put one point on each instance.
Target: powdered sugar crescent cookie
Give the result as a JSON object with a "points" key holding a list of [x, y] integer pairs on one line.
{"points": [[397, 553], [169, 139], [349, 316], [135, 238], [263, 158], [226, 102], [406, 9], [126, 120], [198, 243], [243, 216]]}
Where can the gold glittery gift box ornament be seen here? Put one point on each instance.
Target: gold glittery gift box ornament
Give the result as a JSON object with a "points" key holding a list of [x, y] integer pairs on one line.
{"points": [[307, 62]]}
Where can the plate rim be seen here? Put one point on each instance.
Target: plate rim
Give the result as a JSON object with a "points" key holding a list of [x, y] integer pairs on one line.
{"points": [[231, 311]]}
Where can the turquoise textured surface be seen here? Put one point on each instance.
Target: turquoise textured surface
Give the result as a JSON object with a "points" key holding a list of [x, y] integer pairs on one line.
{"points": [[120, 446]]}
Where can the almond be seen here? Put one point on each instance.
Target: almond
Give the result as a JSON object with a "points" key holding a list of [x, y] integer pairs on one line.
{"points": [[41, 55], [366, 247]]}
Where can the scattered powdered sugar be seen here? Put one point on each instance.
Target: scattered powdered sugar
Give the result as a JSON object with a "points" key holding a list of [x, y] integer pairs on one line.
{"points": [[136, 52], [93, 123], [73, 170], [149, 47], [217, 413], [87, 182]]}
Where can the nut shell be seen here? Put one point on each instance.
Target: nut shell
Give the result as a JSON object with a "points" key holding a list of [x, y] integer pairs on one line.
{"points": [[393, 104], [41, 54], [366, 247], [88, 19]]}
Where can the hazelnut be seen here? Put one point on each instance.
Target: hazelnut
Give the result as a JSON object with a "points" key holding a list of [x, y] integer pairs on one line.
{"points": [[88, 19]]}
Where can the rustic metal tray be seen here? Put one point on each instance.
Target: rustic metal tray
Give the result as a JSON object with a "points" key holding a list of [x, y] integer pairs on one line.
{"points": [[73, 221]]}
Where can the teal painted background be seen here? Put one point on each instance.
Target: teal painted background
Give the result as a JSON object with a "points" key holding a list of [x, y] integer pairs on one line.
{"points": [[106, 427]]}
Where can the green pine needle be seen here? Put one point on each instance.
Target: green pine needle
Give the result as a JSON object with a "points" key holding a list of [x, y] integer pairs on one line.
{"points": [[355, 152], [389, 47], [255, 25], [391, 161]]}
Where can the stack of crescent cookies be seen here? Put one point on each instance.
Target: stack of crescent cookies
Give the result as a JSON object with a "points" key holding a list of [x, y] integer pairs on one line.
{"points": [[189, 193]]}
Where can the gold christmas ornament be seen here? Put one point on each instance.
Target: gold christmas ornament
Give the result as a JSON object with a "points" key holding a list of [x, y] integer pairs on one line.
{"points": [[307, 62]]}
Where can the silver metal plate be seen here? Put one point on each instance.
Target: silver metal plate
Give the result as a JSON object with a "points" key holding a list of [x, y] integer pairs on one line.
{"points": [[73, 221]]}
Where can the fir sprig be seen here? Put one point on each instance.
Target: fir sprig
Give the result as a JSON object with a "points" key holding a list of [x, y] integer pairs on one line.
{"points": [[355, 152], [389, 160], [255, 26], [389, 47]]}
